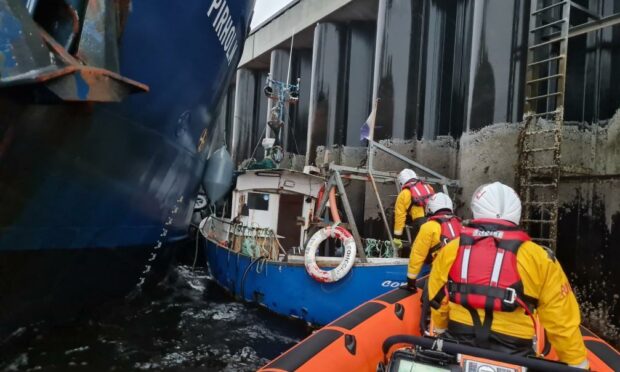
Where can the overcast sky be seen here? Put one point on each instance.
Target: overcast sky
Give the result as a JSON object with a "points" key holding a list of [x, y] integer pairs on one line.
{"points": [[263, 9]]}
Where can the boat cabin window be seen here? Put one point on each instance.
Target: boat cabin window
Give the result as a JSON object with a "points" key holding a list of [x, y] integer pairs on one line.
{"points": [[258, 201]]}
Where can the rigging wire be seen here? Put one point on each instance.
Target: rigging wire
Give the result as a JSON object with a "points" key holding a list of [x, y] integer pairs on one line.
{"points": [[259, 142], [196, 246], [294, 139]]}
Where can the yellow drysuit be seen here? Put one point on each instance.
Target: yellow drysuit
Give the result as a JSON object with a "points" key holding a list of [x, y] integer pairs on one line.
{"points": [[428, 237], [403, 201], [543, 279]]}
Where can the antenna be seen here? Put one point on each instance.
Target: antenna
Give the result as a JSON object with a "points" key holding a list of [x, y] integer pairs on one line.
{"points": [[290, 59], [282, 93]]}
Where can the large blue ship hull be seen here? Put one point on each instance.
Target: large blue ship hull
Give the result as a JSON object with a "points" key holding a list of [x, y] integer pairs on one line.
{"points": [[288, 290], [94, 196]]}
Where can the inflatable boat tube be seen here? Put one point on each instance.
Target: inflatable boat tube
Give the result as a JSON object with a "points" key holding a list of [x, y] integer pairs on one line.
{"points": [[355, 341]]}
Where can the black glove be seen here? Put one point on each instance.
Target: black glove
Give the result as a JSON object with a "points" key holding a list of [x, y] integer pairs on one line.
{"points": [[410, 286]]}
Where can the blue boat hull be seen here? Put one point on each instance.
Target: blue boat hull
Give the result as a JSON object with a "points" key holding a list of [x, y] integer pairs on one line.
{"points": [[288, 290], [95, 196]]}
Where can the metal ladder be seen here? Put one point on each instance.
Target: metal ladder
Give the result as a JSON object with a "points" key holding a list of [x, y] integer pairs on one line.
{"points": [[541, 137], [540, 140]]}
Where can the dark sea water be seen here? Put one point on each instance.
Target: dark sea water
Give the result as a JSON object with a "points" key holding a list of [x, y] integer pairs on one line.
{"points": [[186, 323]]}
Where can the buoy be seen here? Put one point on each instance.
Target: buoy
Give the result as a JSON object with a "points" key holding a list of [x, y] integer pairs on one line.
{"points": [[219, 175], [348, 259]]}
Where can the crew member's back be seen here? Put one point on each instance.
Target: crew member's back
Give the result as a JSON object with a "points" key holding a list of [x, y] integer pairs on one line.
{"points": [[496, 276]]}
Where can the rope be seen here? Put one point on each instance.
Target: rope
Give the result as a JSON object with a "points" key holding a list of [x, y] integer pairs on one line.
{"points": [[245, 273], [290, 128], [371, 246], [256, 241], [259, 142], [378, 248], [260, 265], [262, 244], [196, 251], [332, 229]]}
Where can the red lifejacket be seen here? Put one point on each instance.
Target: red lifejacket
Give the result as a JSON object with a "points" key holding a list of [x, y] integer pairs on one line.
{"points": [[450, 229], [420, 192], [484, 274]]}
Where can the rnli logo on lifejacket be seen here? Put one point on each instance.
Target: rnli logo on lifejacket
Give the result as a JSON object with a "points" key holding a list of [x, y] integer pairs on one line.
{"points": [[224, 27], [484, 234], [565, 289]]}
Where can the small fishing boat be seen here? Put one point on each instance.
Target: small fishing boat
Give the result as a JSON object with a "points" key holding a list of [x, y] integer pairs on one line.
{"points": [[383, 335], [280, 248], [258, 253], [276, 249]]}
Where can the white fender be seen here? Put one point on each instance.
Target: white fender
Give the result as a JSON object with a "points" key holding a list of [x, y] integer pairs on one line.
{"points": [[348, 259]]}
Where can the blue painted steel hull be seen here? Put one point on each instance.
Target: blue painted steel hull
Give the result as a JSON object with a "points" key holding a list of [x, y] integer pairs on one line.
{"points": [[288, 290], [117, 181]]}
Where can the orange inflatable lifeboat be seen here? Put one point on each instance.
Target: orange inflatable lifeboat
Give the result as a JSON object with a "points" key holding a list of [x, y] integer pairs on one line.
{"points": [[383, 335]]}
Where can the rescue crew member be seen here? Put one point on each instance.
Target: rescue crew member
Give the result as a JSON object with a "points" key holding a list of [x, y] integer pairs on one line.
{"points": [[410, 203], [495, 277], [442, 227]]}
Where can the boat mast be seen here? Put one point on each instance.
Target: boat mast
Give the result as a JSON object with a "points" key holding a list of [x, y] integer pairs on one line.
{"points": [[283, 94]]}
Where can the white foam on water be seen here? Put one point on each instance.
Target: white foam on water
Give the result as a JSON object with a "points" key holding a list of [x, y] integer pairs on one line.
{"points": [[196, 278], [197, 286], [227, 312], [245, 359], [147, 366], [257, 332], [18, 332], [77, 350], [17, 363]]}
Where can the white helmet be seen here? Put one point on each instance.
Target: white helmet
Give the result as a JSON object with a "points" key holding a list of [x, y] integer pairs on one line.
{"points": [[438, 202], [497, 201], [406, 175]]}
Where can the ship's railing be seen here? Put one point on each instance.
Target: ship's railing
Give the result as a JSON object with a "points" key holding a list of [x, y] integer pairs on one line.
{"points": [[256, 241], [253, 241]]}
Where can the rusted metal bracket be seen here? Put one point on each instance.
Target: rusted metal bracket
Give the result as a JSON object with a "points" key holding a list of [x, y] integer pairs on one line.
{"points": [[384, 177], [445, 182], [370, 175], [336, 181], [376, 190], [37, 64], [349, 213]]}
